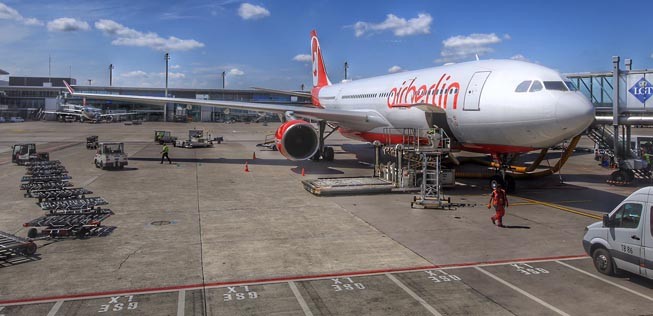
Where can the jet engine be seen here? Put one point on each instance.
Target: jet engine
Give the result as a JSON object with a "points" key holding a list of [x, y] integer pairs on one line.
{"points": [[297, 140]]}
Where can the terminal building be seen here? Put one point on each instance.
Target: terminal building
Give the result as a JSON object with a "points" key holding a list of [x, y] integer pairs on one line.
{"points": [[26, 97]]}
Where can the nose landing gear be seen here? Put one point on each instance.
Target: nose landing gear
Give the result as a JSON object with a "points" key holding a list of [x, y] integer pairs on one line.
{"points": [[506, 181]]}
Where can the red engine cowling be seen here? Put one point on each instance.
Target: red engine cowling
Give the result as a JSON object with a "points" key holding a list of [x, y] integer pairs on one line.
{"points": [[297, 140]]}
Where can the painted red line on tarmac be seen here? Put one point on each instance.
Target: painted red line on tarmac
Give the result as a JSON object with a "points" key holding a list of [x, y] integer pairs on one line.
{"points": [[274, 280]]}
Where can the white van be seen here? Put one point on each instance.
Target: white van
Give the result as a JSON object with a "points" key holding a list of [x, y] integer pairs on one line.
{"points": [[624, 240]]}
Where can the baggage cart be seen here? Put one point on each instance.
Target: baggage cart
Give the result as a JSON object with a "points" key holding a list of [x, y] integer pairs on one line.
{"points": [[11, 245]]}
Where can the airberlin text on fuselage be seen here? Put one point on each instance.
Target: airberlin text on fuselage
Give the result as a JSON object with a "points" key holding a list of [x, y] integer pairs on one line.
{"points": [[437, 94]]}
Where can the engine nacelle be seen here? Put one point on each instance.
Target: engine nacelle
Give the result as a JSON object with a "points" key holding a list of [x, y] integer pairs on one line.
{"points": [[297, 140]]}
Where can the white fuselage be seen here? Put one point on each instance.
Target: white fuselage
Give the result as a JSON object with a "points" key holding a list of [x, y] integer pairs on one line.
{"points": [[483, 110]]}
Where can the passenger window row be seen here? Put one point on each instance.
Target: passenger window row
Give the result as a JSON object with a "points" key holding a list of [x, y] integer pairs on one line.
{"points": [[387, 94], [360, 96]]}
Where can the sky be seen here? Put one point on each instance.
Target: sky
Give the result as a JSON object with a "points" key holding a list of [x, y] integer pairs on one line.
{"points": [[267, 44]]}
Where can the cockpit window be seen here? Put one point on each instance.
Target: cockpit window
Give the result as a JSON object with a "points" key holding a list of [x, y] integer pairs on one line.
{"points": [[571, 86], [537, 86], [523, 87], [555, 85]]}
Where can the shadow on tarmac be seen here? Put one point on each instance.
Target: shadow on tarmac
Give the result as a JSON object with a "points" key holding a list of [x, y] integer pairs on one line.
{"points": [[309, 166], [636, 279], [546, 189], [124, 169], [11, 261], [516, 226]]}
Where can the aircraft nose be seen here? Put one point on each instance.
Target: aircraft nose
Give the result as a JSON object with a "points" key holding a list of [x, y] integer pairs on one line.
{"points": [[574, 113]]}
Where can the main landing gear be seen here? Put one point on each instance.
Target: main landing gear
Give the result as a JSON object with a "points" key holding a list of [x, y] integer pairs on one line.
{"points": [[325, 152]]}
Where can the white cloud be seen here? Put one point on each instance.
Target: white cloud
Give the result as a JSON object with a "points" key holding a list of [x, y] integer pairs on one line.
{"points": [[175, 67], [67, 25], [9, 13], [304, 58], [135, 74], [519, 57], [236, 72], [249, 11], [465, 47], [125, 36], [32, 22], [142, 74], [173, 75], [399, 26], [395, 69]]}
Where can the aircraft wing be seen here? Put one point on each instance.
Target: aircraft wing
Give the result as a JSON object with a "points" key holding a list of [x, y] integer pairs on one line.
{"points": [[116, 114], [63, 113], [284, 92], [359, 119]]}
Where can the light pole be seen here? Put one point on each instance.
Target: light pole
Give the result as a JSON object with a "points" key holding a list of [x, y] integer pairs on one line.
{"points": [[165, 107], [346, 67], [223, 76], [111, 75], [89, 81]]}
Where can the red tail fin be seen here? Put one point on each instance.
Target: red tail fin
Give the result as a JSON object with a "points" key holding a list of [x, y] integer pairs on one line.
{"points": [[320, 77]]}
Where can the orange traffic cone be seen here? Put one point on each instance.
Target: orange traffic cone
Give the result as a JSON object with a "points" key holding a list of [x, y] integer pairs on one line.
{"points": [[246, 166], [303, 173], [253, 155]]}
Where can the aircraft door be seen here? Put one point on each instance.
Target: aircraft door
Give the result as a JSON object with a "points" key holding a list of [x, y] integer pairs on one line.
{"points": [[474, 89]]}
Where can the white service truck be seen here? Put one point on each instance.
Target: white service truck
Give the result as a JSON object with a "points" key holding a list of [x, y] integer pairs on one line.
{"points": [[624, 239]]}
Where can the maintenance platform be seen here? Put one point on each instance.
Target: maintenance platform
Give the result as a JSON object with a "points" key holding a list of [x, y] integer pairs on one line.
{"points": [[203, 237]]}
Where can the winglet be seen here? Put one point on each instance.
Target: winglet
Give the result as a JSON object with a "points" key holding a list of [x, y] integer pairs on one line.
{"points": [[70, 89]]}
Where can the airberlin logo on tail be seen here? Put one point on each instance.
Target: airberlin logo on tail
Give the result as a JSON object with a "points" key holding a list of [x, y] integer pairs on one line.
{"points": [[437, 94], [315, 47], [319, 72]]}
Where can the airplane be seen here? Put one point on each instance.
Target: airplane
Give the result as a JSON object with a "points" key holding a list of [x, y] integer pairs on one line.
{"points": [[500, 107], [85, 113]]}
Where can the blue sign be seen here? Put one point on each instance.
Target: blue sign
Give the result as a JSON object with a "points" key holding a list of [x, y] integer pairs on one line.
{"points": [[642, 90]]}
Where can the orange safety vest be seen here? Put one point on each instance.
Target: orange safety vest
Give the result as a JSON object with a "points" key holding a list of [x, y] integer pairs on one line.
{"points": [[499, 197]]}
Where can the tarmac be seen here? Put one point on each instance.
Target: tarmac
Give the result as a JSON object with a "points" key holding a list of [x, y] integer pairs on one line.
{"points": [[201, 236]]}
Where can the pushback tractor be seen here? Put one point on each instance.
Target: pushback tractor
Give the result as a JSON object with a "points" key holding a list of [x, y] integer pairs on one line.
{"points": [[110, 155], [24, 153]]}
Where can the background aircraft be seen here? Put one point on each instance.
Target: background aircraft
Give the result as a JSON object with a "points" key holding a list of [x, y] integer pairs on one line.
{"points": [[85, 113]]}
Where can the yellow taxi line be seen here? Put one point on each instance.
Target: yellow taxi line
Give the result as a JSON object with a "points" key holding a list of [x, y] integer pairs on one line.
{"points": [[560, 207], [533, 203]]}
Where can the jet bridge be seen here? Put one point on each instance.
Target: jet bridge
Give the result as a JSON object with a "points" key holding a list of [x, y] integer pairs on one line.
{"points": [[619, 104]]}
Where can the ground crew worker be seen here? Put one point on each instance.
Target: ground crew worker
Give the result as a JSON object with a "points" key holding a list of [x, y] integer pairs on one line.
{"points": [[498, 199], [164, 153]]}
